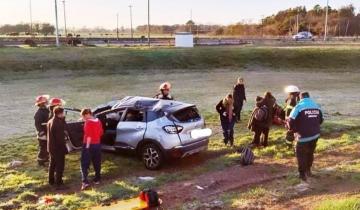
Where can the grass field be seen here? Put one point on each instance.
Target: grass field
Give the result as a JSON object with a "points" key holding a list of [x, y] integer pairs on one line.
{"points": [[201, 76], [340, 58]]}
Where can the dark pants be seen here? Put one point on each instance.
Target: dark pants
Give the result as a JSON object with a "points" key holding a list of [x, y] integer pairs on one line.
{"points": [[93, 154], [56, 168], [257, 136], [305, 157], [228, 130], [43, 155], [237, 110]]}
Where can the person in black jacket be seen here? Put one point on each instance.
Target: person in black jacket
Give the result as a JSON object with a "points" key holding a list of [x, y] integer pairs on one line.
{"points": [[56, 147], [268, 102], [256, 125], [225, 108], [41, 118], [239, 97], [164, 92]]}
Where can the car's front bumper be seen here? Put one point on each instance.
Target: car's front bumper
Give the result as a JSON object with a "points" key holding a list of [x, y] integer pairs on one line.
{"points": [[188, 149]]}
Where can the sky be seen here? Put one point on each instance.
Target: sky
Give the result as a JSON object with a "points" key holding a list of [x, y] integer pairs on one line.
{"points": [[102, 13]]}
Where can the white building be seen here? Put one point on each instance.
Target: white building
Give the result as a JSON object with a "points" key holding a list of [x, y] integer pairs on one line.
{"points": [[184, 39]]}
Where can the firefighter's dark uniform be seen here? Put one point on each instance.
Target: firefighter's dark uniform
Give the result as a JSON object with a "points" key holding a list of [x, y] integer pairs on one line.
{"points": [[164, 97], [41, 118], [57, 149]]}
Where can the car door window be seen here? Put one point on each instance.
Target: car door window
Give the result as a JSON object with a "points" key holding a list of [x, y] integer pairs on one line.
{"points": [[134, 116]]}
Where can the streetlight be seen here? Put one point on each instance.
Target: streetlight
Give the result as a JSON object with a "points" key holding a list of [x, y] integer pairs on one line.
{"points": [[131, 22], [149, 43], [117, 26], [57, 25], [65, 18], [31, 24], [326, 20]]}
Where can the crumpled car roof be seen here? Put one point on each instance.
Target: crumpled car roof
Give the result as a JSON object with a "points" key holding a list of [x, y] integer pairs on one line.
{"points": [[151, 104]]}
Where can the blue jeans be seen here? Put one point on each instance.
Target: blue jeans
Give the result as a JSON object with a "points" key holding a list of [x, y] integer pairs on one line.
{"points": [[93, 154], [228, 129]]}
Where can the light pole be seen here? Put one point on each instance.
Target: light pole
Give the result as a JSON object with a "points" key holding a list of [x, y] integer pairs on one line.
{"points": [[57, 25], [31, 24], [117, 26], [297, 22], [131, 22], [65, 18], [326, 20], [149, 43]]}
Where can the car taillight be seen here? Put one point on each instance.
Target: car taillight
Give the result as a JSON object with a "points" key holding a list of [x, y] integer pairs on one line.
{"points": [[173, 129]]}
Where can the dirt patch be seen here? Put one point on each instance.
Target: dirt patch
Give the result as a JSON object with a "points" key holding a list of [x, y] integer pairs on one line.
{"points": [[215, 183]]}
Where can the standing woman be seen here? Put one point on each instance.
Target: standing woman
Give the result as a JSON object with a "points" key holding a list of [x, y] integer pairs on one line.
{"points": [[225, 108], [239, 97]]}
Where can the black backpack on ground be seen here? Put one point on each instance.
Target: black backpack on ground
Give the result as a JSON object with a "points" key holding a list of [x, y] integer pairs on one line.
{"points": [[247, 156]]}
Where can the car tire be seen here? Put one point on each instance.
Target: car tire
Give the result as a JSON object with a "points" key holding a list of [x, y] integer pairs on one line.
{"points": [[152, 156]]}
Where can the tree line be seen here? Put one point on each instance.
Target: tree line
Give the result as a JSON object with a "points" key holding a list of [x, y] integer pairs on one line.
{"points": [[37, 28], [341, 22]]}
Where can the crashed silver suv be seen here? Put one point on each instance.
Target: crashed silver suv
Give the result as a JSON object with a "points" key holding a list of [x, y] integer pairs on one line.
{"points": [[154, 129]]}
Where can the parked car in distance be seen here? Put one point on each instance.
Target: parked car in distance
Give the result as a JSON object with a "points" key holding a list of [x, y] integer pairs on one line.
{"points": [[155, 130], [304, 35]]}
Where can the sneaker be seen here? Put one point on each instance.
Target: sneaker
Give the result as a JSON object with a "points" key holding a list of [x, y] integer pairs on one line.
{"points": [[85, 186], [96, 182], [311, 175]]}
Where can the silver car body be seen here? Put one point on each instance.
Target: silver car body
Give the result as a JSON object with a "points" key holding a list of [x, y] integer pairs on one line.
{"points": [[158, 114]]}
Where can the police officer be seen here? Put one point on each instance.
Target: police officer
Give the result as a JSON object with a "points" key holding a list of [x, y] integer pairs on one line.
{"points": [[305, 120], [56, 147], [164, 92], [41, 118]]}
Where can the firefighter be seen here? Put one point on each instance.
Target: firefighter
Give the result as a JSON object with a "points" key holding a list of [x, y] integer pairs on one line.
{"points": [[41, 118], [54, 102], [56, 147], [291, 101], [164, 92]]}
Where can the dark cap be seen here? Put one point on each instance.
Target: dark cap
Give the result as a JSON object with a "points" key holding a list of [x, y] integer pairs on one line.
{"points": [[305, 95], [258, 98]]}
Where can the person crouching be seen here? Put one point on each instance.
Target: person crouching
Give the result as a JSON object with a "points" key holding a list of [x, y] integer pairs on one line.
{"points": [[91, 151], [225, 108]]}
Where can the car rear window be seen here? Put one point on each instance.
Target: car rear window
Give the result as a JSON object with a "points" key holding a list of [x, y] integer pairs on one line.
{"points": [[189, 114]]}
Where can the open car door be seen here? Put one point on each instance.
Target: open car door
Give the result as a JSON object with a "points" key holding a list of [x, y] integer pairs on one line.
{"points": [[75, 129]]}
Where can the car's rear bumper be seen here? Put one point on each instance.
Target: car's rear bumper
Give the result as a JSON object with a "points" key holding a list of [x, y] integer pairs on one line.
{"points": [[188, 149]]}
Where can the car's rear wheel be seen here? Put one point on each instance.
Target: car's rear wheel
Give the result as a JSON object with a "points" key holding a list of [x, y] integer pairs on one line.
{"points": [[152, 156]]}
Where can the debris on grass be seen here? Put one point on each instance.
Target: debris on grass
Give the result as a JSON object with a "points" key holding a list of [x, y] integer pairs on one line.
{"points": [[15, 164], [199, 187], [146, 178]]}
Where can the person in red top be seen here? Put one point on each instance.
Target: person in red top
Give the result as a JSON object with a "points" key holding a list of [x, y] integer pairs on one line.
{"points": [[91, 151]]}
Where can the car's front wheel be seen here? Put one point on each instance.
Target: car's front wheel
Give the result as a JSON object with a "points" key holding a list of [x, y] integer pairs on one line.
{"points": [[152, 156]]}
